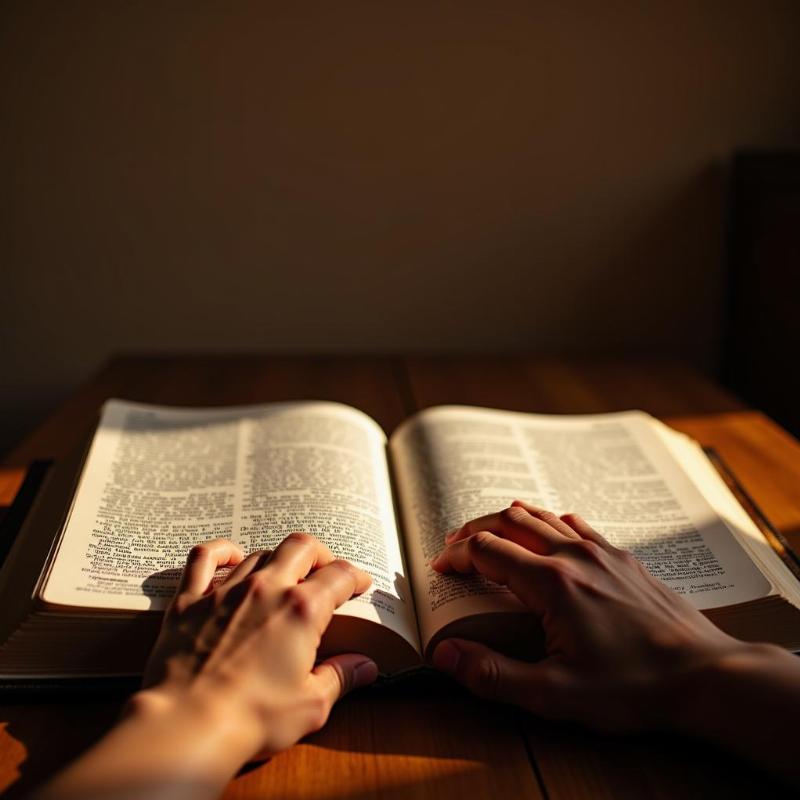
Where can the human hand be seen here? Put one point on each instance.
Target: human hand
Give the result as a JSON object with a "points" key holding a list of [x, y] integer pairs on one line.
{"points": [[619, 644], [246, 648]]}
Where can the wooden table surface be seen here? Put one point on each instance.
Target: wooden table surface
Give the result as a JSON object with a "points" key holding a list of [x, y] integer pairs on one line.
{"points": [[426, 741]]}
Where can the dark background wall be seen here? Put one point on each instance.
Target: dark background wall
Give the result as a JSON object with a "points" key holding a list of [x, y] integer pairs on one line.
{"points": [[334, 176]]}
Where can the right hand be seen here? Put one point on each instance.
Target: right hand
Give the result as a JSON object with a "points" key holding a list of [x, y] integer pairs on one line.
{"points": [[618, 643]]}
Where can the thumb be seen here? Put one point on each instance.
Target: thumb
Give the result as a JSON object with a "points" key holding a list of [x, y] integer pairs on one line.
{"points": [[492, 675], [338, 675]]}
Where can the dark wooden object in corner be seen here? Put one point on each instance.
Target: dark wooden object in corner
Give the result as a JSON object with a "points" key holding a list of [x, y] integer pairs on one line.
{"points": [[763, 255]]}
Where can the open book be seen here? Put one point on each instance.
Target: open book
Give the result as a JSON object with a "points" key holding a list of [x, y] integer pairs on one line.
{"points": [[92, 562]]}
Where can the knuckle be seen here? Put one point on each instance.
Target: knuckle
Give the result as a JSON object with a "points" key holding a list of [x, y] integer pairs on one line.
{"points": [[628, 558], [300, 536], [345, 679], [319, 712], [213, 603], [186, 610], [199, 552], [300, 604], [467, 529], [179, 605], [513, 515], [487, 677], [560, 577], [480, 542], [545, 516], [586, 550], [259, 586], [344, 565]]}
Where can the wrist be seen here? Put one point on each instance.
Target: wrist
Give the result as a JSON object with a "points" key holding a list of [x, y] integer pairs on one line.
{"points": [[204, 726], [702, 700], [166, 745]]}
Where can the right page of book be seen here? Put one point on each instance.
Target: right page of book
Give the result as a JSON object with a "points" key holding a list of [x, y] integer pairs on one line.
{"points": [[454, 463]]}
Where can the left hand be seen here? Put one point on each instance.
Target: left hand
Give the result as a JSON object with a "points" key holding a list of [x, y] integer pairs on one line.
{"points": [[247, 647], [232, 675]]}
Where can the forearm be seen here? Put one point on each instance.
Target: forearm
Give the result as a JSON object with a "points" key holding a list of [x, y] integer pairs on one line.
{"points": [[159, 750], [747, 702], [233, 675]]}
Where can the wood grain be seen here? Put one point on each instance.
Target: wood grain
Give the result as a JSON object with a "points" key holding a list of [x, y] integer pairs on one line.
{"points": [[413, 741], [401, 746], [369, 383], [10, 481], [37, 739], [662, 387], [765, 458], [575, 763]]}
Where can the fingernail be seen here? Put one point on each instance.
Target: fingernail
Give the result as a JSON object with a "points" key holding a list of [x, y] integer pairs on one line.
{"points": [[451, 534], [365, 673], [446, 657], [435, 561]]}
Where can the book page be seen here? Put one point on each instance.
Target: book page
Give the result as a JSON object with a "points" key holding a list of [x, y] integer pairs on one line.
{"points": [[700, 470], [456, 463], [159, 480]]}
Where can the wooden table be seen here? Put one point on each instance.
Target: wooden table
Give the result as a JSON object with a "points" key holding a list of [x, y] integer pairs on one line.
{"points": [[420, 741]]}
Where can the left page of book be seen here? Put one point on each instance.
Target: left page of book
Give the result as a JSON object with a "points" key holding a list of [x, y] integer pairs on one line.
{"points": [[158, 480]]}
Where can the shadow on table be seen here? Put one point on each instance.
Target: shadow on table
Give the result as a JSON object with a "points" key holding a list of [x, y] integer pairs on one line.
{"points": [[588, 764], [427, 737], [38, 739], [479, 740]]}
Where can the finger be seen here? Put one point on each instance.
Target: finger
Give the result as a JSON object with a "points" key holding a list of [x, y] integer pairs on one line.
{"points": [[336, 676], [517, 525], [203, 561], [325, 590], [525, 573], [254, 561], [548, 517], [539, 687], [297, 555], [585, 530]]}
